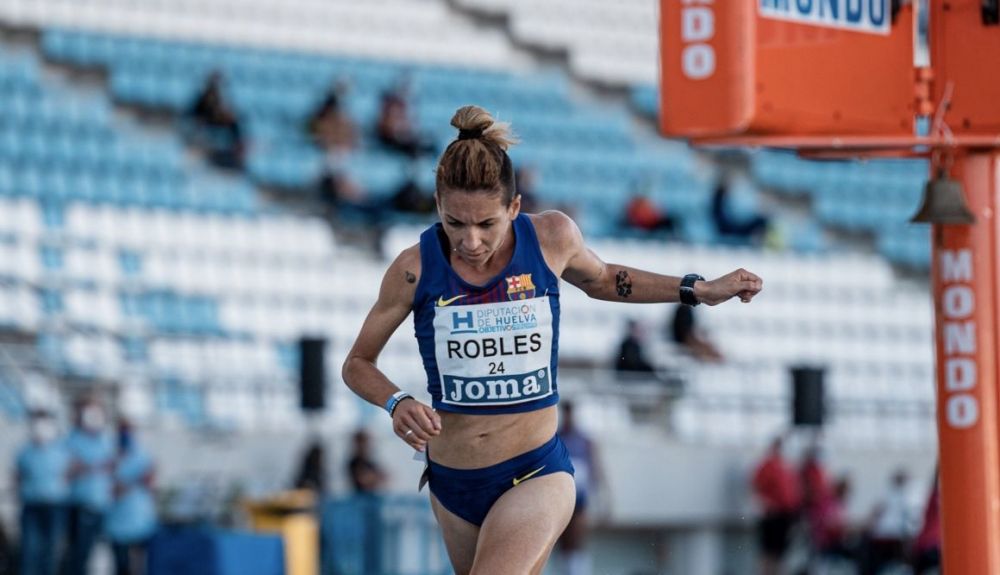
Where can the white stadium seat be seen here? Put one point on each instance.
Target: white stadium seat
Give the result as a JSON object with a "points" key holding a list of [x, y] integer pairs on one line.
{"points": [[394, 29]]}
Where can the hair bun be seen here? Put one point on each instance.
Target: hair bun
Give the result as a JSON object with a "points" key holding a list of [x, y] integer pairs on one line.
{"points": [[475, 123], [470, 134]]}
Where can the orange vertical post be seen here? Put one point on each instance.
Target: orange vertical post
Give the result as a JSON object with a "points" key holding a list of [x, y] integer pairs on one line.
{"points": [[964, 278]]}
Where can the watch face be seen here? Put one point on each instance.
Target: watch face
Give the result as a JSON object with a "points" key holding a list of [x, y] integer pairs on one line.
{"points": [[687, 289], [689, 280]]}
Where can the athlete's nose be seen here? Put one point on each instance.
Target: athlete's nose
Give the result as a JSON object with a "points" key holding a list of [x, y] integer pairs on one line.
{"points": [[472, 241]]}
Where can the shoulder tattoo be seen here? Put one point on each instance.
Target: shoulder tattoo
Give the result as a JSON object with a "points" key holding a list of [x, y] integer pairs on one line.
{"points": [[624, 283]]}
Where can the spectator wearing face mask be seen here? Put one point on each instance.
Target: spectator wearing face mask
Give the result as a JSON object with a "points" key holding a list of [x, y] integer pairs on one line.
{"points": [[131, 521], [92, 461], [41, 476]]}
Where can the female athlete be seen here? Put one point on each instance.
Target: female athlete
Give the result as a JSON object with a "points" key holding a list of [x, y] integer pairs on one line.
{"points": [[483, 285]]}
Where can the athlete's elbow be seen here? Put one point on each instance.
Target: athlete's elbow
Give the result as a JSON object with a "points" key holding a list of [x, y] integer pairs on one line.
{"points": [[594, 291], [601, 286], [349, 370]]}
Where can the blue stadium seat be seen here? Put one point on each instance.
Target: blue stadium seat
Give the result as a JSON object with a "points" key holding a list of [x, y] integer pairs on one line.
{"points": [[907, 244], [646, 99], [286, 167], [12, 404], [182, 399], [52, 349]]}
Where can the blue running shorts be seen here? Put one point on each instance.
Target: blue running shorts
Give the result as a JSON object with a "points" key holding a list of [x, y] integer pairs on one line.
{"points": [[470, 493]]}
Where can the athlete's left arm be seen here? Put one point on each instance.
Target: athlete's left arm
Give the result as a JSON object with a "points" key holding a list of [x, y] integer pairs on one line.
{"points": [[576, 263]]}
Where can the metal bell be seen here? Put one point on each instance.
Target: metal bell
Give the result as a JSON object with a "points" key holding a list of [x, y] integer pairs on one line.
{"points": [[944, 203]]}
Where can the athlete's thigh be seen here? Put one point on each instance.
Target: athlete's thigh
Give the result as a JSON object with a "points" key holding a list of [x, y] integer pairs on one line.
{"points": [[523, 525], [460, 537], [573, 536]]}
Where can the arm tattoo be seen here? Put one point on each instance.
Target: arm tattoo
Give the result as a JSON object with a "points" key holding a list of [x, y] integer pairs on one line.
{"points": [[623, 283], [410, 278]]}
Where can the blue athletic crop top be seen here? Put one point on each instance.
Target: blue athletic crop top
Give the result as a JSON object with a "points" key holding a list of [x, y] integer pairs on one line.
{"points": [[488, 349]]}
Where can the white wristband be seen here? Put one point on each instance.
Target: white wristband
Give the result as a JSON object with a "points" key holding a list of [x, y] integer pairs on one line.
{"points": [[390, 405]]}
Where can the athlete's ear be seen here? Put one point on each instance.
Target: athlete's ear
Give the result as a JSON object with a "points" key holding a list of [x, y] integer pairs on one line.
{"points": [[437, 203], [515, 207]]}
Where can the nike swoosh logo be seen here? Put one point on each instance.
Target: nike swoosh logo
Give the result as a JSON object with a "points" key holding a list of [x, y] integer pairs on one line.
{"points": [[528, 476], [443, 302]]}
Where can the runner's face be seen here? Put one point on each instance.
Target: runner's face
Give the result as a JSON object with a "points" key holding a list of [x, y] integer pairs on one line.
{"points": [[477, 224]]}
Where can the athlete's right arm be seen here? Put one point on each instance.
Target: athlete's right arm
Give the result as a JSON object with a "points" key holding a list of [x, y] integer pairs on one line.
{"points": [[360, 371]]}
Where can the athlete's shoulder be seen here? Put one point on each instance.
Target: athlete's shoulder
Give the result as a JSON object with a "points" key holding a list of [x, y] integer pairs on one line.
{"points": [[556, 231], [408, 257], [403, 273]]}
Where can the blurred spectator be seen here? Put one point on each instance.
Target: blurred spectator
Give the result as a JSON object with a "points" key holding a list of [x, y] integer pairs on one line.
{"points": [[927, 545], [685, 333], [644, 215], [42, 480], [631, 354], [395, 128], [344, 198], [337, 189], [589, 477], [330, 127], [6, 553], [831, 539], [892, 525], [220, 129], [131, 521], [367, 479], [367, 476], [752, 228], [92, 458], [526, 183], [409, 198], [777, 486], [816, 493], [312, 471]]}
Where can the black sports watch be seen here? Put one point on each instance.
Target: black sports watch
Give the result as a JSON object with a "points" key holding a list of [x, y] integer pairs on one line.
{"points": [[687, 289]]}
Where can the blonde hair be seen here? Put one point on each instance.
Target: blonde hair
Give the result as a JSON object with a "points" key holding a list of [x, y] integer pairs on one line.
{"points": [[477, 159]]}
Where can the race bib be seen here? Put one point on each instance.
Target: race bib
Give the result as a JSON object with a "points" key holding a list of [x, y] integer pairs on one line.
{"points": [[494, 353]]}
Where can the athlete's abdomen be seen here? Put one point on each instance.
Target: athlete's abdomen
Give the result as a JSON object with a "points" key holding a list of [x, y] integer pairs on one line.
{"points": [[474, 441]]}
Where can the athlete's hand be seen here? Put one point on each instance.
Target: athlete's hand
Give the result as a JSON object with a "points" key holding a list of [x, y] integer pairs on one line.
{"points": [[415, 423], [739, 283]]}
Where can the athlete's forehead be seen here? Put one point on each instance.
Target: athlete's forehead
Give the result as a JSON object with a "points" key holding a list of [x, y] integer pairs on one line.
{"points": [[471, 207]]}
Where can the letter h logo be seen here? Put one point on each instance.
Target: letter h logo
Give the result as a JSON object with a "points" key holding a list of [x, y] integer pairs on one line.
{"points": [[460, 319]]}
